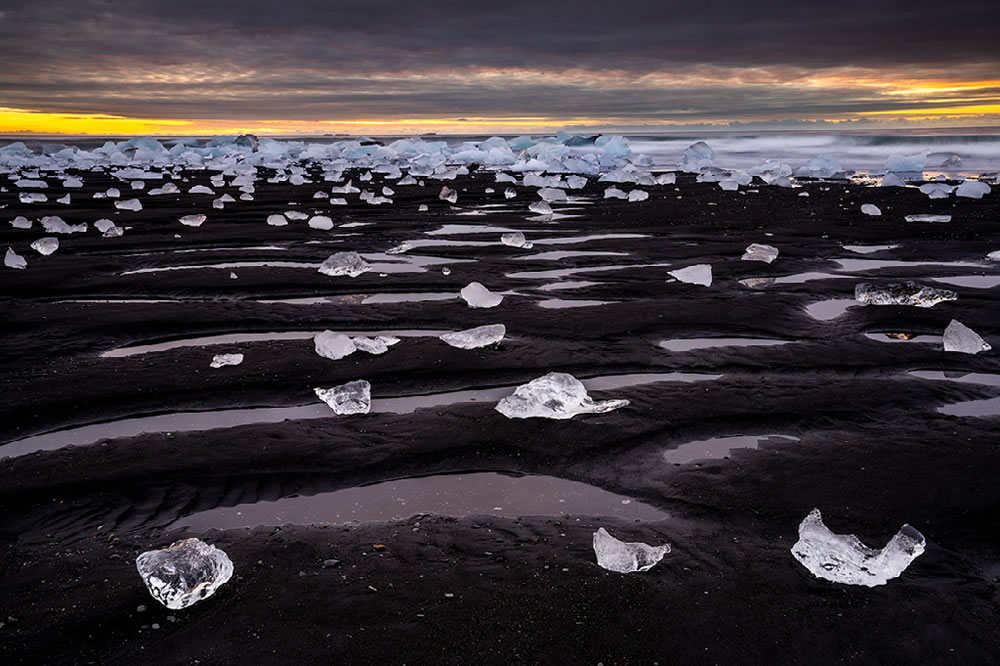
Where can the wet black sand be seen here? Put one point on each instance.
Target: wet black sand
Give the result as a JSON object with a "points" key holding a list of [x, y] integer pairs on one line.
{"points": [[873, 452]]}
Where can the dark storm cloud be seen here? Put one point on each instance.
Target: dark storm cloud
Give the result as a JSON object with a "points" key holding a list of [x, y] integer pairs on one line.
{"points": [[317, 59]]}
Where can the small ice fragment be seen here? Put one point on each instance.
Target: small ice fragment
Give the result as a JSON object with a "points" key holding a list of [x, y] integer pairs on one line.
{"points": [[972, 189], [960, 338], [638, 195], [128, 204], [56, 225], [759, 252], [842, 558], [540, 207], [72, 182], [350, 398], [448, 194], [509, 193], [45, 246], [994, 255], [333, 346], [184, 573], [615, 193], [474, 338], [220, 360], [953, 162], [13, 259], [936, 190], [556, 395], [422, 208], [167, 188], [277, 220], [345, 263], [552, 194], [892, 180], [445, 271], [871, 209], [625, 557], [901, 293], [321, 222], [64, 200], [666, 179], [515, 239], [928, 218], [193, 220], [296, 215], [697, 274], [201, 189], [377, 345], [20, 222], [232, 276], [478, 296]]}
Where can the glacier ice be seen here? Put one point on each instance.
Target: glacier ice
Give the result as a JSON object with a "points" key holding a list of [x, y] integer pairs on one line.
{"points": [[697, 274], [184, 573], [13, 259], [515, 239], [193, 220], [478, 296], [473, 338], [334, 346], [696, 157], [901, 293], [625, 557], [972, 189], [760, 252], [960, 338], [906, 163], [221, 360], [45, 246], [345, 263], [871, 209], [556, 395], [842, 558], [350, 398]]}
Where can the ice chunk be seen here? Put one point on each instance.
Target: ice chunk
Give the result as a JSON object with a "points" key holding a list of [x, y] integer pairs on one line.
{"points": [[821, 166], [960, 338], [350, 398], [936, 190], [638, 195], [321, 222], [333, 346], [72, 182], [32, 197], [972, 189], [760, 252], [697, 274], [666, 179], [994, 255], [901, 293], [871, 209], [842, 558], [928, 218], [193, 220], [625, 557], [64, 200], [952, 162], [220, 360], [906, 163], [892, 180], [448, 194], [473, 338], [56, 225], [615, 193], [552, 194], [515, 239], [166, 188], [377, 345], [184, 573], [556, 395], [45, 246], [201, 189], [478, 296], [576, 182], [696, 157], [129, 204], [104, 225], [345, 263], [509, 193], [277, 220], [20, 222], [296, 215], [13, 259], [540, 207]]}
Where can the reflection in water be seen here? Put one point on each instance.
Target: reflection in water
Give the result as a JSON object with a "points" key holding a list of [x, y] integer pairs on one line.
{"points": [[691, 344], [719, 447], [562, 303], [982, 378], [479, 493], [875, 264], [989, 407], [971, 281], [830, 309], [903, 337]]}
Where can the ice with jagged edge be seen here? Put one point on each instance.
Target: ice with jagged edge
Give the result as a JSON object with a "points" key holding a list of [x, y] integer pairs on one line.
{"points": [[473, 338], [184, 573], [697, 274], [345, 263], [478, 296], [696, 157], [14, 260], [193, 220], [842, 558], [222, 360], [515, 239], [824, 165], [626, 557], [333, 346], [45, 246], [901, 293], [350, 398], [557, 395], [960, 338], [760, 252]]}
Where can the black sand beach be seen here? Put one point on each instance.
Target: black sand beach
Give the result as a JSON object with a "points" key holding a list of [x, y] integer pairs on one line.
{"points": [[846, 426]]}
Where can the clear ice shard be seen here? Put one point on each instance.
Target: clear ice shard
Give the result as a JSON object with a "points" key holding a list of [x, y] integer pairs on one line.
{"points": [[45, 246], [478, 296], [13, 259], [871, 209], [960, 338], [901, 293], [334, 346], [625, 557], [540, 207], [193, 220], [556, 395], [184, 573], [842, 558], [473, 338], [220, 360], [378, 345], [515, 239], [697, 274], [350, 398], [345, 263], [759, 252], [448, 194]]}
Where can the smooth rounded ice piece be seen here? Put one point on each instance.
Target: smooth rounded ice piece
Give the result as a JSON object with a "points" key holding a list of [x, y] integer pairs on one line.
{"points": [[626, 557], [871, 209], [478, 296], [334, 346], [184, 573], [557, 395], [473, 338]]}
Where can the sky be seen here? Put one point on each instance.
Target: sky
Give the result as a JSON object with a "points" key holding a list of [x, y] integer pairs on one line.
{"points": [[185, 67]]}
